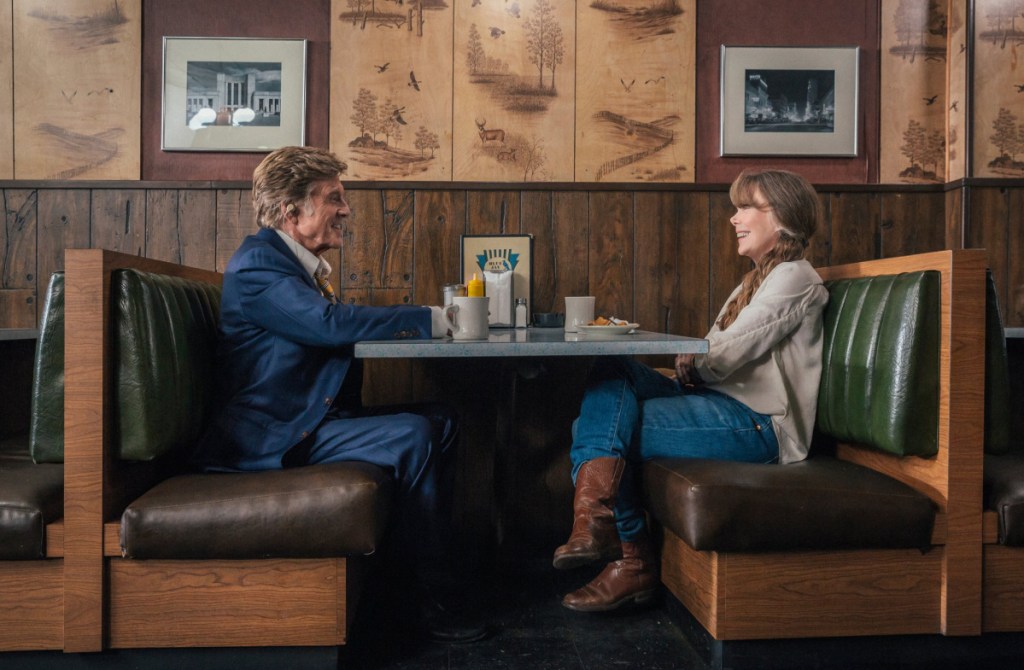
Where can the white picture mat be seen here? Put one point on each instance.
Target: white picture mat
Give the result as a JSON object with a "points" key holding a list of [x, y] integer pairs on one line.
{"points": [[843, 61], [178, 51]]}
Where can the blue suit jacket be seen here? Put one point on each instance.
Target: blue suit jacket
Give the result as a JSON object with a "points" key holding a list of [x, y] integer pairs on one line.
{"points": [[283, 353]]}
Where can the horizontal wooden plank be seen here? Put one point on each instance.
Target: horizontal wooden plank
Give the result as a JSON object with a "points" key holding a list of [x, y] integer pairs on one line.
{"points": [[989, 527], [31, 605], [1003, 589], [55, 539], [806, 594], [112, 539], [218, 603], [18, 308], [830, 593]]}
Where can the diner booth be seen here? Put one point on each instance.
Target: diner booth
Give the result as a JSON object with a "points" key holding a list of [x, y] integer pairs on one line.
{"points": [[556, 150]]}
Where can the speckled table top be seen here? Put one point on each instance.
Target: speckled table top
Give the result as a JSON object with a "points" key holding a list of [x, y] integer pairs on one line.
{"points": [[534, 342]]}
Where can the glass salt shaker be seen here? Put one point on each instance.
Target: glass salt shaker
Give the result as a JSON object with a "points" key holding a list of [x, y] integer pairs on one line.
{"points": [[521, 313]]}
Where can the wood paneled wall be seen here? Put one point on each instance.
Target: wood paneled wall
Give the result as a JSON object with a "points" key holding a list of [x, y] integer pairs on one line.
{"points": [[663, 258], [995, 222]]}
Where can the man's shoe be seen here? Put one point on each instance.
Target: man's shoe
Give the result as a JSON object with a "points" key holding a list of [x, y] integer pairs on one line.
{"points": [[448, 623], [631, 580], [594, 537]]}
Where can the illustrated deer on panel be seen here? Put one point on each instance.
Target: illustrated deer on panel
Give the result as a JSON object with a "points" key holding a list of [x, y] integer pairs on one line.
{"points": [[514, 74]]}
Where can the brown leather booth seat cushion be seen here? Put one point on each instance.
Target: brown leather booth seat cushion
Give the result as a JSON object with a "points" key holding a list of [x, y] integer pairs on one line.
{"points": [[820, 503], [31, 496], [313, 511], [1004, 493]]}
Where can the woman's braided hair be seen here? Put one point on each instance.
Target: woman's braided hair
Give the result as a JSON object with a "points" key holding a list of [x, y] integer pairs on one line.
{"points": [[796, 208]]}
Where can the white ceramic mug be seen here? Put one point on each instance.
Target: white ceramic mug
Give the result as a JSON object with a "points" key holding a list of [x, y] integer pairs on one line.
{"points": [[468, 317], [579, 311]]}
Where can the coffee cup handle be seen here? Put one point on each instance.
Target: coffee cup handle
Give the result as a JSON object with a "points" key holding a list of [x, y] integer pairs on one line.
{"points": [[449, 315]]}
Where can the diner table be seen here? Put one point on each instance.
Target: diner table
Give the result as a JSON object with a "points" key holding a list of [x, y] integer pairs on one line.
{"points": [[527, 342], [508, 355]]}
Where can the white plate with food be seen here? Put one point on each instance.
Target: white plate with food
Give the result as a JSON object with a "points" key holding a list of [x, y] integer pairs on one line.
{"points": [[610, 329]]}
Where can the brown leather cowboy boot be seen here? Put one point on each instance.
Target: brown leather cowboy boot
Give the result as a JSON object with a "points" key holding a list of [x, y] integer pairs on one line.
{"points": [[631, 580], [593, 536]]}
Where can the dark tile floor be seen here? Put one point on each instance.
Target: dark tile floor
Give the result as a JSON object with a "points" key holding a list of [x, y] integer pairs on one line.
{"points": [[531, 630]]}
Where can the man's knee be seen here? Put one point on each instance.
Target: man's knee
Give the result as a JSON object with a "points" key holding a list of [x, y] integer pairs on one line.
{"points": [[409, 431]]}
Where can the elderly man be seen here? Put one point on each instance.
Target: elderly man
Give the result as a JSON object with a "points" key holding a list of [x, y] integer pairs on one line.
{"points": [[289, 385]]}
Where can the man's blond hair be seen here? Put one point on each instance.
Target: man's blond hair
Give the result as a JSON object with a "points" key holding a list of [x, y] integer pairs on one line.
{"points": [[286, 176]]}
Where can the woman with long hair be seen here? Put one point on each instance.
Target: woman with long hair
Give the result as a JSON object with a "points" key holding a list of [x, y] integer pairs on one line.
{"points": [[751, 398]]}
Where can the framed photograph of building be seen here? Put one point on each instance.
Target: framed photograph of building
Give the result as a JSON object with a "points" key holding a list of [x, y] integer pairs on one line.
{"points": [[233, 94], [789, 101]]}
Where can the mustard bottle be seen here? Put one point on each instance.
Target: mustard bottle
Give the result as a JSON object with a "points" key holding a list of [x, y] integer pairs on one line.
{"points": [[475, 287]]}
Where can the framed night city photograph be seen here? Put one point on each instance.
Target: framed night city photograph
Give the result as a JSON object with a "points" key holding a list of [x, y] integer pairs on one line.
{"points": [[233, 94], [789, 101]]}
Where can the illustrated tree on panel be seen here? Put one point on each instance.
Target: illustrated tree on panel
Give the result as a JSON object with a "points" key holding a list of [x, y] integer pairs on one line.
{"points": [[555, 47], [475, 57], [935, 150], [538, 36], [364, 112], [426, 140], [912, 18], [914, 142], [1006, 137], [1003, 17]]}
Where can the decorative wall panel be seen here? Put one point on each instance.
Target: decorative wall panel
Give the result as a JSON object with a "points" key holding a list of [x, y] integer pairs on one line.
{"points": [[77, 89], [514, 90], [914, 102], [956, 90], [998, 89], [391, 88], [635, 91], [6, 90]]}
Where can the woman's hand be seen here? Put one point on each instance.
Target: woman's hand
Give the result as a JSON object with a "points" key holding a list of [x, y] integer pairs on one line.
{"points": [[686, 372]]}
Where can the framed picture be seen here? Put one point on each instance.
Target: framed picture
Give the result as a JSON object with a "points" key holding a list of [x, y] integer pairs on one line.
{"points": [[789, 101], [233, 94], [489, 257]]}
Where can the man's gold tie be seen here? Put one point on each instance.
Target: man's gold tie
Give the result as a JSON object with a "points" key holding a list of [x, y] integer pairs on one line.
{"points": [[323, 281]]}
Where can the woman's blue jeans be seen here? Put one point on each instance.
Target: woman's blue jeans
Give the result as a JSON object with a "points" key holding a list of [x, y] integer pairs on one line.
{"points": [[634, 412]]}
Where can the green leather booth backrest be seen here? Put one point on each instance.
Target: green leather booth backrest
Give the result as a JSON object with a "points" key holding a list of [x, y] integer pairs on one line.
{"points": [[999, 439], [165, 335], [46, 424], [880, 363], [164, 342]]}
